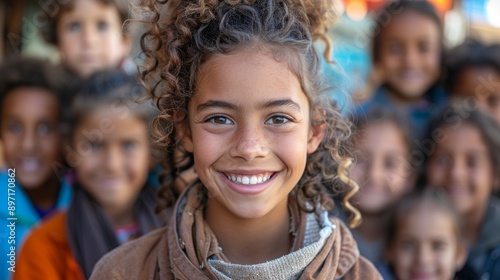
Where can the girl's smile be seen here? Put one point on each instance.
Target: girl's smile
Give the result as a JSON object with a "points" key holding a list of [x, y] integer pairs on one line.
{"points": [[250, 132], [254, 182]]}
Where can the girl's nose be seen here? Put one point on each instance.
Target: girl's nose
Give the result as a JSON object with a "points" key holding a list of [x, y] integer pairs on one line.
{"points": [[375, 172], [424, 255], [250, 143], [112, 159], [28, 140], [89, 36], [457, 171], [411, 57]]}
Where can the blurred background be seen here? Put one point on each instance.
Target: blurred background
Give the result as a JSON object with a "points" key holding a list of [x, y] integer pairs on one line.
{"points": [[478, 19]]}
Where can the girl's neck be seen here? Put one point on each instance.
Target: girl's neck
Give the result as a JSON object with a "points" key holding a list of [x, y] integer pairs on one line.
{"points": [[45, 196], [398, 99], [120, 216], [374, 227], [250, 241], [473, 224]]}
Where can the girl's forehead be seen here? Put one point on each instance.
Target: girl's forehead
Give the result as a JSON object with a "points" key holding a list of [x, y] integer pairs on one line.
{"points": [[30, 99], [244, 68]]}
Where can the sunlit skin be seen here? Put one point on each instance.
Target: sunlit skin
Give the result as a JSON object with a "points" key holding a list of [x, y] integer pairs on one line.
{"points": [[409, 56], [250, 118], [90, 37], [31, 141], [114, 161], [426, 246], [481, 84], [462, 166]]}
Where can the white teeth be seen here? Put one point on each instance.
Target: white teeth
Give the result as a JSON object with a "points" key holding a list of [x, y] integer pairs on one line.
{"points": [[253, 180], [246, 180], [30, 164]]}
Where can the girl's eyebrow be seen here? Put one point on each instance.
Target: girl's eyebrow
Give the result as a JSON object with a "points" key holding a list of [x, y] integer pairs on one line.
{"points": [[282, 102], [215, 104], [226, 105]]}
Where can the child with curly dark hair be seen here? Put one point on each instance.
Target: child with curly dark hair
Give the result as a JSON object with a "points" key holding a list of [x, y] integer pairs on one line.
{"points": [[238, 86]]}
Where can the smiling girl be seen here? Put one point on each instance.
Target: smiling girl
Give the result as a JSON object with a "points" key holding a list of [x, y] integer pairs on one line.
{"points": [[238, 86]]}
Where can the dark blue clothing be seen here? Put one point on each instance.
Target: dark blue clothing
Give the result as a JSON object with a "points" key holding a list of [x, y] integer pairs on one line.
{"points": [[483, 260], [418, 114]]}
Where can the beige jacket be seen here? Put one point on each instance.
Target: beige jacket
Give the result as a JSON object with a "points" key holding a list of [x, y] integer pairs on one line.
{"points": [[167, 253]]}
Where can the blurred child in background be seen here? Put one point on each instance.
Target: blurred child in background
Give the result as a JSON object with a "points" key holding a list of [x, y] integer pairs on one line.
{"points": [[407, 49], [30, 102], [110, 152], [90, 34], [384, 172], [426, 238], [465, 163], [473, 75]]}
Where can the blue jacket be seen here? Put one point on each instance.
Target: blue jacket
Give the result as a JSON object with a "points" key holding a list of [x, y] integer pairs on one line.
{"points": [[419, 115], [18, 222]]}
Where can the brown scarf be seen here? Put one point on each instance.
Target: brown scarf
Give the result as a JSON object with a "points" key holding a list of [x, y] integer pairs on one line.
{"points": [[191, 243]]}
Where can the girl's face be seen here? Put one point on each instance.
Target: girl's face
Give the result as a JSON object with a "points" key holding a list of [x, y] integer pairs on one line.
{"points": [[426, 245], [250, 132], [462, 166], [90, 37], [482, 84], [410, 52], [382, 168], [114, 156], [30, 135]]}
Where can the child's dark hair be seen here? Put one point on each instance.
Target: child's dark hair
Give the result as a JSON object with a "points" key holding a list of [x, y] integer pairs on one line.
{"points": [[438, 198], [471, 54], [26, 72], [182, 35], [396, 8], [54, 14], [378, 114], [112, 89], [457, 115]]}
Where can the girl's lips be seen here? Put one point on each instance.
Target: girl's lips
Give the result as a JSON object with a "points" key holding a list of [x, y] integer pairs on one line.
{"points": [[422, 275], [248, 189], [29, 164]]}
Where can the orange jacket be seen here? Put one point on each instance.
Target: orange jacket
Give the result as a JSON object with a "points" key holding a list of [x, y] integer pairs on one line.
{"points": [[46, 254]]}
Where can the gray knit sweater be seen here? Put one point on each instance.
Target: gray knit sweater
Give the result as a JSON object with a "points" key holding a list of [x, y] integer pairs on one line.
{"points": [[288, 267]]}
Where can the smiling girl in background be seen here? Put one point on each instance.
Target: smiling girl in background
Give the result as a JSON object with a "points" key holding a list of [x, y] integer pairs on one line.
{"points": [[407, 48], [110, 152], [465, 163]]}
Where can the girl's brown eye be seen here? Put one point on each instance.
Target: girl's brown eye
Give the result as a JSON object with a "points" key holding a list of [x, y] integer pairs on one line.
{"points": [[219, 120], [278, 120]]}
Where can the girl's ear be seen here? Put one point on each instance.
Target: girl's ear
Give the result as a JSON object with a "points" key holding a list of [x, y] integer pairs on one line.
{"points": [[316, 132]]}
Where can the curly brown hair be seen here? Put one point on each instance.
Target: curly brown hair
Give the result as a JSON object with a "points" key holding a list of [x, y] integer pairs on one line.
{"points": [[182, 35]]}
